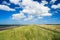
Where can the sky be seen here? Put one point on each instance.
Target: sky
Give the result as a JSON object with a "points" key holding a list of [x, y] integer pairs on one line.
{"points": [[29, 11]]}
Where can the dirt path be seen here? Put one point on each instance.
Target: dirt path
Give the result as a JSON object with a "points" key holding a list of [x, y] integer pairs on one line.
{"points": [[8, 28], [49, 29]]}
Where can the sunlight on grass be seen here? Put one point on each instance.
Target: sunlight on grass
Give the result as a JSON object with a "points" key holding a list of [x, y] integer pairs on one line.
{"points": [[30, 32]]}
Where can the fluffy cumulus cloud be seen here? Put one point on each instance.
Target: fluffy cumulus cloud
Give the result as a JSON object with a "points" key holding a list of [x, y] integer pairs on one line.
{"points": [[44, 2], [33, 9], [56, 6], [15, 1], [53, 1], [29, 18], [18, 16], [5, 3], [6, 8]]}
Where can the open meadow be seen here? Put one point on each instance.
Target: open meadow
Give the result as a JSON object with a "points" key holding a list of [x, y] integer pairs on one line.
{"points": [[31, 32]]}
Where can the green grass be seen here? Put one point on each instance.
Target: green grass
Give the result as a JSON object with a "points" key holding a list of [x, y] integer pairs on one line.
{"points": [[51, 27], [30, 32]]}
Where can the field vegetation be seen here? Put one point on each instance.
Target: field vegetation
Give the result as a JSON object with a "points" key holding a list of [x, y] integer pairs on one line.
{"points": [[32, 32]]}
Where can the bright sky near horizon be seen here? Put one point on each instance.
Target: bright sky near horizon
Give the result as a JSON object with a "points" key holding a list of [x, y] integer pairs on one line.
{"points": [[29, 11]]}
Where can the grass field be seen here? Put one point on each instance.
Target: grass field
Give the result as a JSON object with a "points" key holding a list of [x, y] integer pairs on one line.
{"points": [[32, 32]]}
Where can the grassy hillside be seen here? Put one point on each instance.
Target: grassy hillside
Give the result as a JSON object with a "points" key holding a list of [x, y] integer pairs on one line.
{"points": [[30, 32]]}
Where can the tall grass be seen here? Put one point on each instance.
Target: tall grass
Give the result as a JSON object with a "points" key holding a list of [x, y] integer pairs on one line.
{"points": [[30, 32]]}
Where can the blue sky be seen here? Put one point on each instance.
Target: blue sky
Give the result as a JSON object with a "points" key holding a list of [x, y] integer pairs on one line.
{"points": [[29, 11]]}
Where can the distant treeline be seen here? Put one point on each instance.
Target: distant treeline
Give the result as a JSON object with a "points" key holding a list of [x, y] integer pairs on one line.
{"points": [[4, 27], [11, 25], [23, 24]]}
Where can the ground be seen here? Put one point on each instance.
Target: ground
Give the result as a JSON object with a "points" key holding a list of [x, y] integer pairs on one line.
{"points": [[31, 32]]}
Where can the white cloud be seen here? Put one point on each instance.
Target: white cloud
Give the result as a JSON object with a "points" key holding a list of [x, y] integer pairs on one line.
{"points": [[44, 2], [53, 1], [56, 6], [18, 16], [15, 1], [34, 9], [6, 8], [29, 18], [4, 2]]}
